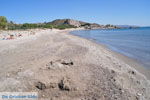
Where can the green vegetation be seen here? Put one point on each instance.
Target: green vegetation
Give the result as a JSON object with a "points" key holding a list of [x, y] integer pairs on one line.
{"points": [[13, 26], [58, 24], [86, 24], [64, 26], [3, 22], [108, 25]]}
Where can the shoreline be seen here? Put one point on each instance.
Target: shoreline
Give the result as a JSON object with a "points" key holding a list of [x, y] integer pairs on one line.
{"points": [[83, 68], [130, 61], [133, 63]]}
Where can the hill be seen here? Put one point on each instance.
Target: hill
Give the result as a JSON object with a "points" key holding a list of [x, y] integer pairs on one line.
{"points": [[127, 26], [74, 23], [58, 24]]}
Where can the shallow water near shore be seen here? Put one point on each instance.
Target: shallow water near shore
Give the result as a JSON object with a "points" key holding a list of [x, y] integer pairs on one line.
{"points": [[134, 43]]}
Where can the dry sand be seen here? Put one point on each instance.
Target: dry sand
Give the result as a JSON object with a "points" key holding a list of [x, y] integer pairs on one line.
{"points": [[60, 66]]}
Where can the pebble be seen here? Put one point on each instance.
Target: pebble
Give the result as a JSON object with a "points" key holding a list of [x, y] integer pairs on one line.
{"points": [[40, 85]]}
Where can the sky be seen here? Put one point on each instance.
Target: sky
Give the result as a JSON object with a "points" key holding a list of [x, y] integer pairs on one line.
{"points": [[116, 12]]}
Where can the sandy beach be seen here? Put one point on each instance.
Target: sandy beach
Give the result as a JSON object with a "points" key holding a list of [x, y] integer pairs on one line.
{"points": [[60, 66]]}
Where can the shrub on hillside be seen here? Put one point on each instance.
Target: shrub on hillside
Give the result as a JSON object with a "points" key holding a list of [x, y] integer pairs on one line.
{"points": [[64, 26], [3, 22]]}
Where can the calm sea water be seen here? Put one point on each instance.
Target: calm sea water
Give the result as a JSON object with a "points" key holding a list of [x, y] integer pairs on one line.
{"points": [[134, 43]]}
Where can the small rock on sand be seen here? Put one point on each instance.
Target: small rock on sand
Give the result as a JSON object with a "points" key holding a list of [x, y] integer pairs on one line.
{"points": [[40, 85], [59, 64], [64, 85]]}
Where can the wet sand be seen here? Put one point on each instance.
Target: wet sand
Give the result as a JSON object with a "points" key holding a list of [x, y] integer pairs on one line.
{"points": [[130, 61], [135, 64]]}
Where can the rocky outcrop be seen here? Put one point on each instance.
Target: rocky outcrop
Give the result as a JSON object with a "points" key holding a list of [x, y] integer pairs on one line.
{"points": [[66, 22], [75, 23], [92, 26]]}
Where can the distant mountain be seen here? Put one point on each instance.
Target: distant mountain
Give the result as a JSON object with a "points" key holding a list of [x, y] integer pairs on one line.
{"points": [[127, 26], [145, 26]]}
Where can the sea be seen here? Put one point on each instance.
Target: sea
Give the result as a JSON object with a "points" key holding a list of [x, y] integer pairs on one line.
{"points": [[134, 43]]}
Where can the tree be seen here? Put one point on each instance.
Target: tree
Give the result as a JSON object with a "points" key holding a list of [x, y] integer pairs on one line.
{"points": [[108, 25], [3, 22], [10, 25]]}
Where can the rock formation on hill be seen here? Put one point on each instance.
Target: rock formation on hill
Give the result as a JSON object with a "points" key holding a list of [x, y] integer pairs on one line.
{"points": [[67, 22], [75, 23]]}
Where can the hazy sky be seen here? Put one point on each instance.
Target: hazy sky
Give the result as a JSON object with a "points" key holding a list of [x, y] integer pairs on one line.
{"points": [[132, 12]]}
